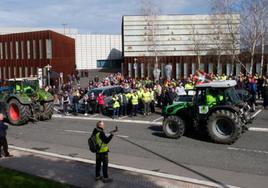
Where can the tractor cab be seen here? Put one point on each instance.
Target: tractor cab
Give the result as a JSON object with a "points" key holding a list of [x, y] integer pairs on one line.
{"points": [[27, 86]]}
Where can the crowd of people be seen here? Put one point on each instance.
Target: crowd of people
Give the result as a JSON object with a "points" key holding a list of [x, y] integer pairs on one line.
{"points": [[141, 96]]}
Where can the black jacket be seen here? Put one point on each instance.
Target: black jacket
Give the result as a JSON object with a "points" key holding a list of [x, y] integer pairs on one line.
{"points": [[105, 139], [3, 128]]}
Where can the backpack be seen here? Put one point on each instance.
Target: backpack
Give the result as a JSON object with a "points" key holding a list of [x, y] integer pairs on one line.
{"points": [[92, 143]]}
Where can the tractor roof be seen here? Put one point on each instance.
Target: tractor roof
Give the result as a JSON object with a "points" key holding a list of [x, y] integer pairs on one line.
{"points": [[218, 84], [21, 79]]}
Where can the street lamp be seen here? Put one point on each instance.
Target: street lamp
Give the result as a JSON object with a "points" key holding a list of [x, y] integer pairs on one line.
{"points": [[48, 67]]}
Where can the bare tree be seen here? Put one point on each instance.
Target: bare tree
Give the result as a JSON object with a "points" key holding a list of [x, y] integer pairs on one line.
{"points": [[150, 11], [227, 40], [197, 44], [253, 25]]}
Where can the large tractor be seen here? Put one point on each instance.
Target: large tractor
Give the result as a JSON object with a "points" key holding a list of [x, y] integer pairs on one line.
{"points": [[22, 100], [216, 107]]}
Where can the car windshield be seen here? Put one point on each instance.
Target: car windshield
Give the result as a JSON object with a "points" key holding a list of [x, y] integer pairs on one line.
{"points": [[232, 96]]}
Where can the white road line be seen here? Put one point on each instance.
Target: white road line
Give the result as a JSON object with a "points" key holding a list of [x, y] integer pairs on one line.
{"points": [[76, 131], [158, 119], [94, 115], [120, 167], [123, 117], [108, 119], [247, 150], [254, 115], [257, 129], [89, 132]]}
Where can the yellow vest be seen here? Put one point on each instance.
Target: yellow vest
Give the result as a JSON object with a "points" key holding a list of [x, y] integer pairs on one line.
{"points": [[152, 95], [103, 147], [135, 99], [188, 86], [146, 96], [116, 103]]}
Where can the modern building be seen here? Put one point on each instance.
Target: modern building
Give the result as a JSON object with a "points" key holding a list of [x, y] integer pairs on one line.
{"points": [[179, 40], [21, 54], [97, 52]]}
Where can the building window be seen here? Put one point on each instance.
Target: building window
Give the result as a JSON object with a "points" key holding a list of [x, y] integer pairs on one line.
{"points": [[185, 70], [40, 49], [9, 72], [11, 50], [142, 70], [247, 68], [28, 50], [219, 69], [6, 54], [22, 49], [26, 71], [202, 67], [193, 68], [178, 71], [20, 72], [15, 72], [34, 49], [4, 73], [163, 70], [135, 70], [228, 69], [210, 68], [237, 69], [17, 49], [129, 70], [0, 73], [149, 70], [258, 68], [49, 48], [1, 50]]}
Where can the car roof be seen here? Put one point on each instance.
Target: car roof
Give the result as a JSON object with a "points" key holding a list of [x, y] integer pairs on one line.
{"points": [[105, 87], [218, 84], [23, 78]]}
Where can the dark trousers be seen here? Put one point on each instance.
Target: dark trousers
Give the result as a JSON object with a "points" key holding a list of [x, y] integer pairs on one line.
{"points": [[123, 110], [65, 108], [101, 108], [134, 109], [152, 106], [3, 143], [102, 159]]}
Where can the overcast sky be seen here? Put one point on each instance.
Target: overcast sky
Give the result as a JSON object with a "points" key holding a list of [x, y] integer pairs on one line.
{"points": [[88, 16]]}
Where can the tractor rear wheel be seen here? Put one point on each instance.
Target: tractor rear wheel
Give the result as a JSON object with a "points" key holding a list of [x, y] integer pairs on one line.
{"points": [[47, 111], [224, 127], [174, 126], [17, 113]]}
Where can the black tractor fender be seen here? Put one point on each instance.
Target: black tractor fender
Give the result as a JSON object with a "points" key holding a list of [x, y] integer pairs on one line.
{"points": [[223, 107], [19, 98]]}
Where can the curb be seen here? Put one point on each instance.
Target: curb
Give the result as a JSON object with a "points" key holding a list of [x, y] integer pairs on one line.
{"points": [[131, 169]]}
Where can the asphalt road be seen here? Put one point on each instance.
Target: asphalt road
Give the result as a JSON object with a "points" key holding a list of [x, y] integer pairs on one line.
{"points": [[144, 146]]}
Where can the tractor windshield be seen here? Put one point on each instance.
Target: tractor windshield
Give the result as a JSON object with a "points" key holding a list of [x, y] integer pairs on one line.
{"points": [[231, 96], [31, 83]]}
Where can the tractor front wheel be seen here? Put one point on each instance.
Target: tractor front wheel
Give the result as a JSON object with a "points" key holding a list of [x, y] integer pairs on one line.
{"points": [[224, 127], [47, 111], [174, 126], [17, 113]]}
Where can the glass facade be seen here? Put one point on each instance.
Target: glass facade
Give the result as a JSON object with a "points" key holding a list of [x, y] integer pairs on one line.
{"points": [[22, 49], [11, 50], [228, 69], [237, 69], [142, 70], [185, 70], [48, 48], [129, 70], [108, 63], [219, 69], [210, 68], [17, 49], [40, 49], [193, 69], [28, 50], [178, 70], [258, 68], [1, 50], [34, 49]]}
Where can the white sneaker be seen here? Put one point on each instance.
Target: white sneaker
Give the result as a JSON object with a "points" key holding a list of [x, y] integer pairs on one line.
{"points": [[85, 114]]}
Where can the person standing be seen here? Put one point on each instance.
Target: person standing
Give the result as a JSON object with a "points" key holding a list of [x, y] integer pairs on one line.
{"points": [[122, 97], [93, 103], [3, 139], [116, 106], [100, 100], [134, 100], [265, 94], [65, 102], [146, 98], [152, 103], [102, 155]]}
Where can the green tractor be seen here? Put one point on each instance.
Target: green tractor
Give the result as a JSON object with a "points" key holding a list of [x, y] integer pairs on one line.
{"points": [[22, 100], [216, 107]]}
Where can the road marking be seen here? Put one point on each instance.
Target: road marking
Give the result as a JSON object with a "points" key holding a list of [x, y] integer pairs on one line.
{"points": [[126, 168], [257, 129], [94, 115], [108, 119], [158, 119], [123, 117], [247, 150], [89, 132]]}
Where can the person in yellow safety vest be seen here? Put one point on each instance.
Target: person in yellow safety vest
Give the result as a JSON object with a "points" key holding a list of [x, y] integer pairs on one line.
{"points": [[146, 99], [223, 77], [116, 106], [212, 100], [134, 100], [102, 155], [152, 103], [18, 87]]}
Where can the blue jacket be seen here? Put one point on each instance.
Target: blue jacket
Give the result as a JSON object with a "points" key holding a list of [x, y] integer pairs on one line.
{"points": [[3, 128]]}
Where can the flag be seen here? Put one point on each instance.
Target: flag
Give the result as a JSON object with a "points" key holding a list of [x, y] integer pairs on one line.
{"points": [[201, 77]]}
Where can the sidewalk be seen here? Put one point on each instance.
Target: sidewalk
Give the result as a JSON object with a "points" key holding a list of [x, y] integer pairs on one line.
{"points": [[81, 174]]}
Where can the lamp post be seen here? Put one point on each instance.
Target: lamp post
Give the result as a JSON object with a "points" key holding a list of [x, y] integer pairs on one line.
{"points": [[48, 67]]}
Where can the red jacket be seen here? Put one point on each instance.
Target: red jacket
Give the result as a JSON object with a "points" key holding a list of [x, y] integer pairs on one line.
{"points": [[100, 99]]}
